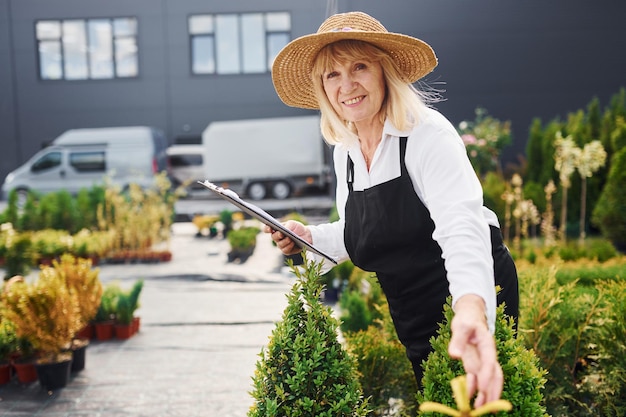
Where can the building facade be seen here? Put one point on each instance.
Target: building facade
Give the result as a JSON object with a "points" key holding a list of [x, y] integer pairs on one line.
{"points": [[180, 64]]}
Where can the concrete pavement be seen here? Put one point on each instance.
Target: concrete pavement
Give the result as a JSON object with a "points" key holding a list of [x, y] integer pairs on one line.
{"points": [[203, 324]]}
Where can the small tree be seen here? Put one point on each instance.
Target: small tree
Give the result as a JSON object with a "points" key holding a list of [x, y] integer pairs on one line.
{"points": [[565, 157], [591, 158], [304, 371], [523, 378], [610, 212]]}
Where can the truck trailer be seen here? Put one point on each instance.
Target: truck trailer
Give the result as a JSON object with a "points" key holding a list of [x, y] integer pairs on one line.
{"points": [[271, 157]]}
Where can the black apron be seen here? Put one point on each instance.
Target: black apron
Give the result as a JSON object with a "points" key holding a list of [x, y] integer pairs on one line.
{"points": [[388, 230]]}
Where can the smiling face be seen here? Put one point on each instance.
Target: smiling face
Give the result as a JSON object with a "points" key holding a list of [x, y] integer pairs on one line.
{"points": [[355, 89]]}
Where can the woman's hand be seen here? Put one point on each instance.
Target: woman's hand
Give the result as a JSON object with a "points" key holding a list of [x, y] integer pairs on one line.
{"points": [[473, 343], [284, 243]]}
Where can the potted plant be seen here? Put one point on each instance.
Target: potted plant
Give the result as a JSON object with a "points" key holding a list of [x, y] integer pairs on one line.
{"points": [[47, 314], [83, 281], [18, 351], [8, 347], [123, 317], [126, 323], [104, 320], [133, 298], [226, 218], [242, 243]]}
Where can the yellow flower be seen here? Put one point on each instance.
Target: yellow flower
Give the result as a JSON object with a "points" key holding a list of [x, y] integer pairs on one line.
{"points": [[459, 392]]}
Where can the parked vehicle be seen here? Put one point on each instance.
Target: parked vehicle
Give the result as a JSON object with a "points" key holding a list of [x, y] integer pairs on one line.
{"points": [[81, 158], [185, 164], [274, 157]]}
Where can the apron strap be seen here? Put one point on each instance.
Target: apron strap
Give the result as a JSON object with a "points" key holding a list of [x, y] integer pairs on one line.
{"points": [[350, 172], [350, 164]]}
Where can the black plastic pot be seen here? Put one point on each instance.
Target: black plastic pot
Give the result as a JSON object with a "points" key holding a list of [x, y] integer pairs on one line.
{"points": [[54, 375]]}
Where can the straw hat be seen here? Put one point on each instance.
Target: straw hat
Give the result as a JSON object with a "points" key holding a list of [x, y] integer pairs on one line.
{"points": [[292, 68]]}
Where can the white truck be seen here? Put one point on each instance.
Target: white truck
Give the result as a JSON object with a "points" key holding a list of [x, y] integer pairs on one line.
{"points": [[272, 157]]}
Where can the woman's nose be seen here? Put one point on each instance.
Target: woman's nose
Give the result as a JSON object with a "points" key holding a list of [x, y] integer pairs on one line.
{"points": [[347, 84]]}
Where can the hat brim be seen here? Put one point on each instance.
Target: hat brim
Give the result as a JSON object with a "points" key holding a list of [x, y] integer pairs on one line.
{"points": [[292, 67]]}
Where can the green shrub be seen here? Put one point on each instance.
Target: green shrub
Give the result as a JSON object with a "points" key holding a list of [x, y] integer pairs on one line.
{"points": [[577, 331], [610, 394], [589, 275], [18, 258], [304, 370], [386, 374], [609, 213], [338, 277], [523, 377], [355, 314], [8, 339], [123, 312], [244, 238], [108, 303]]}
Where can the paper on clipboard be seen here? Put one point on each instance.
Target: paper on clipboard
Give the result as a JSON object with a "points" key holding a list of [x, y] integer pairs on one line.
{"points": [[264, 217]]}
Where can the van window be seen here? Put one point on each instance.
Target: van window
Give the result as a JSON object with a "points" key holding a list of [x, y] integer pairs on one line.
{"points": [[183, 160], [88, 161], [48, 161]]}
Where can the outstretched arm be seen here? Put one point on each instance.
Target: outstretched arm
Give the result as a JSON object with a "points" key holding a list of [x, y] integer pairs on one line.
{"points": [[473, 343]]}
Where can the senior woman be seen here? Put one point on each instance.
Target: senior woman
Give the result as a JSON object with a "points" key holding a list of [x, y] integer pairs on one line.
{"points": [[410, 205]]}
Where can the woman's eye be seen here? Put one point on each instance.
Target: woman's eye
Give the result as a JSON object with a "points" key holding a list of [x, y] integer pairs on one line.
{"points": [[360, 66], [331, 75]]}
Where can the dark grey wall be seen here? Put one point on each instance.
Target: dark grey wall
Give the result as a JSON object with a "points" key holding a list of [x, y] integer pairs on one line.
{"points": [[9, 145], [519, 60]]}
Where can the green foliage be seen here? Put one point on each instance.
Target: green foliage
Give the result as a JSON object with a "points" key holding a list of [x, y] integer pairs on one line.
{"points": [[244, 238], [523, 377], [610, 394], [134, 293], [356, 315], [577, 332], [386, 374], [339, 276], [18, 257], [8, 339], [226, 217], [589, 275], [598, 249], [484, 139], [11, 213], [29, 220], [609, 213], [123, 304], [608, 126], [304, 370], [123, 312], [494, 186], [108, 302]]}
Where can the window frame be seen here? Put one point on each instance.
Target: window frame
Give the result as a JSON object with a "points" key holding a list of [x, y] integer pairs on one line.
{"points": [[212, 37], [91, 74]]}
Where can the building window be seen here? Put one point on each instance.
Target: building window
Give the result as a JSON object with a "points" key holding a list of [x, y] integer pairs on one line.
{"points": [[237, 43], [87, 49]]}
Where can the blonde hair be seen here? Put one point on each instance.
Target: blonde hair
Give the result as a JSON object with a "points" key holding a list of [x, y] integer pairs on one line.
{"points": [[403, 104]]}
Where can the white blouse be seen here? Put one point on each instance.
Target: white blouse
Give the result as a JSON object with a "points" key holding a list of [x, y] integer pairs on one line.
{"points": [[445, 181]]}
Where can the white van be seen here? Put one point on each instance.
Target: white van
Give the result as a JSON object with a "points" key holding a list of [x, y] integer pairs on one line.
{"points": [[82, 158]]}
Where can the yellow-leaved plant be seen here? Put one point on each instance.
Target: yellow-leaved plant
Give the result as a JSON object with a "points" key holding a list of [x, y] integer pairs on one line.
{"points": [[46, 313]]}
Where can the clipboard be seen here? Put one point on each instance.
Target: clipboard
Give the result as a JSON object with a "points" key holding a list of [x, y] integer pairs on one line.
{"points": [[264, 217]]}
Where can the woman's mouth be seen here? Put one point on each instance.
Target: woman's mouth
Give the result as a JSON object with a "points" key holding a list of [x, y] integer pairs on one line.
{"points": [[354, 100]]}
